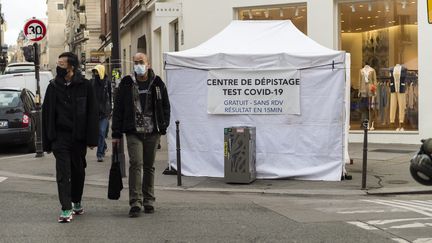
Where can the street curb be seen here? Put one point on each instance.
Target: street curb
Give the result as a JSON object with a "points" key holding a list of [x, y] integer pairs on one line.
{"points": [[399, 191], [275, 192]]}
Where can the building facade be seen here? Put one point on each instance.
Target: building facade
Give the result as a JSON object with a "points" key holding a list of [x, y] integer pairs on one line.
{"points": [[83, 29], [385, 35], [4, 48], [56, 31]]}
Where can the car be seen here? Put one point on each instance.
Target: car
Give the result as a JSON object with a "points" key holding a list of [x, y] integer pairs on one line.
{"points": [[17, 118], [19, 67], [27, 80]]}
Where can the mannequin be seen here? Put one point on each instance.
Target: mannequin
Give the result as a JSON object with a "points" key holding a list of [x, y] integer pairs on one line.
{"points": [[397, 94], [367, 91]]}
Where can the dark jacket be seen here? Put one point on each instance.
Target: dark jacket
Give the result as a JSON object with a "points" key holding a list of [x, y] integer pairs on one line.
{"points": [[84, 112], [402, 84], [123, 120], [102, 89]]}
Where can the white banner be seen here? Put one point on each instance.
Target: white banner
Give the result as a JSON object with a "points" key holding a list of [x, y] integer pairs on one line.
{"points": [[253, 92]]}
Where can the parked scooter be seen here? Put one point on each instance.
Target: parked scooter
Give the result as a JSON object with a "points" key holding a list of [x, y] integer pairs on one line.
{"points": [[421, 163]]}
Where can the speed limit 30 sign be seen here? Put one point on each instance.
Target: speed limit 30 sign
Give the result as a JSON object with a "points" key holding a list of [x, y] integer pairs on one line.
{"points": [[35, 30]]}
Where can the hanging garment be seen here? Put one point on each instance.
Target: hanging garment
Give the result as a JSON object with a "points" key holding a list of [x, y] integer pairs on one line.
{"points": [[367, 77]]}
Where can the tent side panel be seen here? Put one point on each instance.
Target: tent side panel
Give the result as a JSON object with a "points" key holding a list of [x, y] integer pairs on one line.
{"points": [[309, 146]]}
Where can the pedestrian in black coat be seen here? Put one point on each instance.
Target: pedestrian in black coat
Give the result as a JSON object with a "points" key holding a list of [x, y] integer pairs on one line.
{"points": [[69, 125]]}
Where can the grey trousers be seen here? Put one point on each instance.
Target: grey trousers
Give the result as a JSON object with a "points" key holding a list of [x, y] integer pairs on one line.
{"points": [[142, 153]]}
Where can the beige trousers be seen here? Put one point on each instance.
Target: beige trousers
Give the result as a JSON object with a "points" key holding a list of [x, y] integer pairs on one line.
{"points": [[397, 100]]}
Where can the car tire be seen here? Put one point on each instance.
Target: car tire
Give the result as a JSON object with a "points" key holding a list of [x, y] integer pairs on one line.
{"points": [[420, 177]]}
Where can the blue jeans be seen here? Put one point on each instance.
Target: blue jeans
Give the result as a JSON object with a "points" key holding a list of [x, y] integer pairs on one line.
{"points": [[103, 126]]}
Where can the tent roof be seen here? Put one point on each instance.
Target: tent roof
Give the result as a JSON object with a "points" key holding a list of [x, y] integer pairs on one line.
{"points": [[256, 44]]}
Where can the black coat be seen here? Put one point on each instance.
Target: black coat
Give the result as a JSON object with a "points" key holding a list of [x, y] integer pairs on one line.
{"points": [[402, 83], [84, 109], [123, 120], [102, 89]]}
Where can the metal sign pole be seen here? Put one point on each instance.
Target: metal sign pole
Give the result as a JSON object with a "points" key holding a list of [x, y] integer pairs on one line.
{"points": [[365, 149], [116, 66], [39, 149]]}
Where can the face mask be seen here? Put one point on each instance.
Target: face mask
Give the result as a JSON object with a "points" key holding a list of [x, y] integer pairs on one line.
{"points": [[61, 72], [140, 69], [96, 77]]}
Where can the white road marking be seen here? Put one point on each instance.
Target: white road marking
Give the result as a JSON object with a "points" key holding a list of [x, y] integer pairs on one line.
{"points": [[421, 204], [362, 225], [428, 202], [361, 211], [407, 206], [2, 179], [423, 240], [400, 240], [390, 221], [413, 225]]}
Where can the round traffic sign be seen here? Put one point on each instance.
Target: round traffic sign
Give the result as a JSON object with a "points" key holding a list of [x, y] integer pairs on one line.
{"points": [[35, 30]]}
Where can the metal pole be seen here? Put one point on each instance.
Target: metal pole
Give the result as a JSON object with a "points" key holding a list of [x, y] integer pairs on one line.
{"points": [[39, 149], [116, 67], [365, 149], [179, 178]]}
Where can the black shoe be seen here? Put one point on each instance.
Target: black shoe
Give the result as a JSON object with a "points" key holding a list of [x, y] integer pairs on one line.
{"points": [[100, 159], [134, 211], [148, 209]]}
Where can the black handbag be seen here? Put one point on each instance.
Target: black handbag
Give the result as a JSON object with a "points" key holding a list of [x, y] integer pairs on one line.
{"points": [[115, 183]]}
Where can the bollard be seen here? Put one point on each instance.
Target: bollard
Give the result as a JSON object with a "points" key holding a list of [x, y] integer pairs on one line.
{"points": [[365, 149], [179, 179]]}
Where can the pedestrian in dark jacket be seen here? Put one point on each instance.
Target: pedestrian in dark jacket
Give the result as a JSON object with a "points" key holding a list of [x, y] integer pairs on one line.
{"points": [[69, 125], [142, 112], [102, 88]]}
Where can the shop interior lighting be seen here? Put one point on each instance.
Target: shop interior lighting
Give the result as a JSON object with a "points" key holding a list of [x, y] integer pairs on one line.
{"points": [[266, 13], [281, 13], [387, 7], [404, 3], [250, 14], [296, 12], [352, 8], [369, 7]]}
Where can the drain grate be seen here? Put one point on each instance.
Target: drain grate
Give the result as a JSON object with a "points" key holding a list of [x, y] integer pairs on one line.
{"points": [[393, 151]]}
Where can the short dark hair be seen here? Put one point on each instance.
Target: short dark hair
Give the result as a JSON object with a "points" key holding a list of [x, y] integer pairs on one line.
{"points": [[72, 59]]}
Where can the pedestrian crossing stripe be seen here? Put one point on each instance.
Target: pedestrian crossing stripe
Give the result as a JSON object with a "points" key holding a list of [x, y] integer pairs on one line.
{"points": [[423, 207], [2, 179]]}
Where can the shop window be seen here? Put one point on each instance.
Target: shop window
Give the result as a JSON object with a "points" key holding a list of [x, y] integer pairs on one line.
{"points": [[381, 37], [297, 13]]}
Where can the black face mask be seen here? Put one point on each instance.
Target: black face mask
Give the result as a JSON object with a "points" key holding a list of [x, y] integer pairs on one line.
{"points": [[96, 77], [61, 72]]}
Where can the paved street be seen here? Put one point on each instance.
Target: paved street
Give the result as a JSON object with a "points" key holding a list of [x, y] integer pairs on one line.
{"points": [[208, 210], [30, 208]]}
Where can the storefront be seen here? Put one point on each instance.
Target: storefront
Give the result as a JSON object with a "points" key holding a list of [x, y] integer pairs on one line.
{"points": [[389, 42], [382, 37]]}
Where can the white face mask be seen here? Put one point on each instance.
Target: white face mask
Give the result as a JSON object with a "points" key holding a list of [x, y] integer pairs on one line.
{"points": [[140, 69]]}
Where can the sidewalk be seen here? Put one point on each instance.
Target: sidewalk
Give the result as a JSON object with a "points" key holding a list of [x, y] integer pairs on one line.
{"points": [[388, 173]]}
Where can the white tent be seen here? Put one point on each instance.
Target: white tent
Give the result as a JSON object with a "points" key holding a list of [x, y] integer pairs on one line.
{"points": [[305, 144]]}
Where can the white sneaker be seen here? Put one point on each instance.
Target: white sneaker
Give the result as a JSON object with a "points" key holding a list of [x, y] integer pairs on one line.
{"points": [[401, 129], [397, 129]]}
